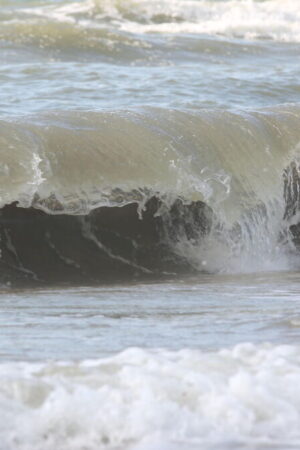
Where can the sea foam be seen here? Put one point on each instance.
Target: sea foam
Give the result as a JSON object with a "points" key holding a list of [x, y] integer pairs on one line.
{"points": [[155, 399]]}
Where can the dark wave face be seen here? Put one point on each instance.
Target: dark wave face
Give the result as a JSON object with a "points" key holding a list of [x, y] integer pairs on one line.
{"points": [[96, 197], [108, 244]]}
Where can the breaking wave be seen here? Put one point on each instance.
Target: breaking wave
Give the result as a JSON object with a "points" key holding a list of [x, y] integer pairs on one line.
{"points": [[123, 30], [142, 400], [96, 196]]}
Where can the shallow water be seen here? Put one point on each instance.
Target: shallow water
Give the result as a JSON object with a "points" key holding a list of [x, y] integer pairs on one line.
{"points": [[211, 362], [206, 312]]}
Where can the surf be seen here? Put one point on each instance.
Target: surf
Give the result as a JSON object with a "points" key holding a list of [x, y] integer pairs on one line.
{"points": [[148, 192]]}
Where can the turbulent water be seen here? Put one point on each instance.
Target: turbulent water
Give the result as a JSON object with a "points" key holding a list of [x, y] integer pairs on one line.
{"points": [[149, 224]]}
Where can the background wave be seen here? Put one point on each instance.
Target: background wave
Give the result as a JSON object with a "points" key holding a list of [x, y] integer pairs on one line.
{"points": [[270, 19], [129, 29]]}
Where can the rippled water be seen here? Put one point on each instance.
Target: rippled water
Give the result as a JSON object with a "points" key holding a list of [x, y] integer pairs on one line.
{"points": [[206, 312]]}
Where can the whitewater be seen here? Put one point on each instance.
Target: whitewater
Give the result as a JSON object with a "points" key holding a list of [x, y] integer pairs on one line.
{"points": [[149, 224]]}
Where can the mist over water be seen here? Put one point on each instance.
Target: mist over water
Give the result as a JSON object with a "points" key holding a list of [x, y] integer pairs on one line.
{"points": [[149, 224]]}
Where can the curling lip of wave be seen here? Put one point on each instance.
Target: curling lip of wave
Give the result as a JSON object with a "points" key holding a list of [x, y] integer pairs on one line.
{"points": [[72, 162]]}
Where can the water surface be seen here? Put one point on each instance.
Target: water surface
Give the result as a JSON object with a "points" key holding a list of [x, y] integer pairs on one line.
{"points": [[149, 224]]}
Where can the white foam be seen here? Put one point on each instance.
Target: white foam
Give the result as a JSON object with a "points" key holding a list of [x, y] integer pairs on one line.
{"points": [[156, 399], [250, 19], [258, 242]]}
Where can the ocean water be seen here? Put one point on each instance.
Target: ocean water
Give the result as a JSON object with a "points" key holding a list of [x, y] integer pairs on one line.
{"points": [[149, 224]]}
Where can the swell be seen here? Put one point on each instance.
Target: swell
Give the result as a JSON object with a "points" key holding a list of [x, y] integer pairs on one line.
{"points": [[72, 39], [100, 196]]}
